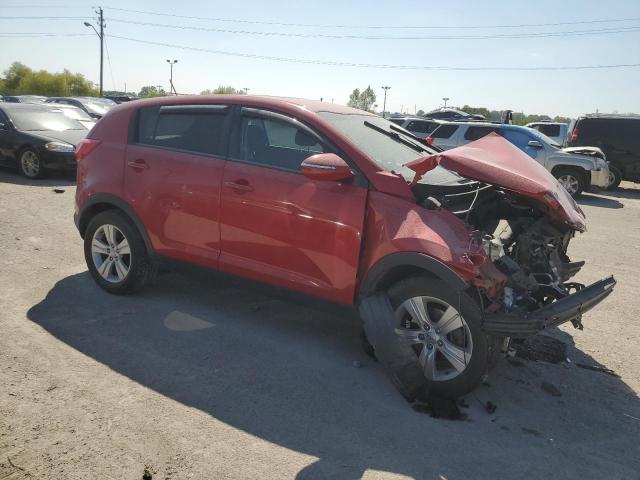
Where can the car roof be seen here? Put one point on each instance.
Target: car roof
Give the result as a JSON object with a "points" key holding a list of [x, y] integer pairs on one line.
{"points": [[630, 116], [258, 101], [11, 107]]}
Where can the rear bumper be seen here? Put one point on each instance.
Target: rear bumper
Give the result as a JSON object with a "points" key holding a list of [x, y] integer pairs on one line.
{"points": [[570, 308]]}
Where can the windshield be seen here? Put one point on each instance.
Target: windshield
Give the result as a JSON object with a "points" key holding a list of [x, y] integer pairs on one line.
{"points": [[99, 106], [36, 120], [75, 113], [388, 147]]}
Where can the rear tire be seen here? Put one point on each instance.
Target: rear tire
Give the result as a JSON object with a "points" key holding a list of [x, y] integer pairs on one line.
{"points": [[116, 254], [615, 177], [448, 359], [574, 181]]}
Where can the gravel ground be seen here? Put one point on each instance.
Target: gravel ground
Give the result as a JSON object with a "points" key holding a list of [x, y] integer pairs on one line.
{"points": [[199, 377]]}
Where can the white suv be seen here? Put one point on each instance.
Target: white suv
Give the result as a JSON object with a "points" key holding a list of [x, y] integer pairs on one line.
{"points": [[575, 168]]}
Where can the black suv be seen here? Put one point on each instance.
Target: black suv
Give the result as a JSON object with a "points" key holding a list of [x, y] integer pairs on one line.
{"points": [[618, 136]]}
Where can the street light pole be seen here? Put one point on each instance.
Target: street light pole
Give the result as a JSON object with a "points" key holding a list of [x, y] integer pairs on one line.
{"points": [[100, 35], [172, 63], [446, 99], [384, 104]]}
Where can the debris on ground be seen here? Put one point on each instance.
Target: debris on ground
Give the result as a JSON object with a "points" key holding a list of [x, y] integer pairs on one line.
{"points": [[438, 407], [490, 407], [356, 364], [58, 190], [530, 431], [146, 475], [596, 368], [551, 389], [541, 348]]}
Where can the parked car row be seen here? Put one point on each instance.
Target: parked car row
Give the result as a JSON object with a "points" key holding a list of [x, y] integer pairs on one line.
{"points": [[346, 206], [37, 138], [95, 107], [576, 169]]}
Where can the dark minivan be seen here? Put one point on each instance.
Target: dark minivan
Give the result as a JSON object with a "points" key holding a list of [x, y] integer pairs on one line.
{"points": [[619, 138]]}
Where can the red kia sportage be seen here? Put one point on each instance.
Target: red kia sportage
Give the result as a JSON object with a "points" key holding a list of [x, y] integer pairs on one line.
{"points": [[447, 254]]}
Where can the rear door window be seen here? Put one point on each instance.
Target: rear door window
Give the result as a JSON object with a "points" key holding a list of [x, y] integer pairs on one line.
{"points": [[192, 128], [444, 131], [277, 142], [476, 133]]}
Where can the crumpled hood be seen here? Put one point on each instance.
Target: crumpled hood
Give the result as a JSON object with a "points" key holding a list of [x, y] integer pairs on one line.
{"points": [[495, 161], [592, 151]]}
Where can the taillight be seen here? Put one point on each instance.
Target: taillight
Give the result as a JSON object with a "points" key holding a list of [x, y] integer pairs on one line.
{"points": [[85, 147], [429, 140], [574, 135]]}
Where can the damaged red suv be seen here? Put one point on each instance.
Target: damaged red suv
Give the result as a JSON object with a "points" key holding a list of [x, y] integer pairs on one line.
{"points": [[447, 254]]}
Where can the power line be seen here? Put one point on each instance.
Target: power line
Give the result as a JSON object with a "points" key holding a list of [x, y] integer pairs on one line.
{"points": [[421, 27], [373, 65], [381, 37], [113, 82], [38, 35], [41, 18]]}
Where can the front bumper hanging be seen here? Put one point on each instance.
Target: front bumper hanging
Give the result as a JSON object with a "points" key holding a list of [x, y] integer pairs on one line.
{"points": [[518, 324]]}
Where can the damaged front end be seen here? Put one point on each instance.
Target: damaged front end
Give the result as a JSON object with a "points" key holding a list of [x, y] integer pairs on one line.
{"points": [[522, 221]]}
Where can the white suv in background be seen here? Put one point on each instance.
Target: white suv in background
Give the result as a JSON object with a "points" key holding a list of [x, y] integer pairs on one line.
{"points": [[575, 168], [558, 132]]}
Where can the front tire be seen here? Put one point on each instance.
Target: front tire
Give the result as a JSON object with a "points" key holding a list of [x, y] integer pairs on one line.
{"points": [[615, 177], [428, 337], [116, 255], [572, 180], [30, 164]]}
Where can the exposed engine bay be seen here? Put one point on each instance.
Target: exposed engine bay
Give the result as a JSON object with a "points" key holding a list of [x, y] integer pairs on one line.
{"points": [[527, 247]]}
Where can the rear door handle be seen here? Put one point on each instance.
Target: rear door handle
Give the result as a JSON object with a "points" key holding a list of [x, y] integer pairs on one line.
{"points": [[239, 186], [138, 164]]}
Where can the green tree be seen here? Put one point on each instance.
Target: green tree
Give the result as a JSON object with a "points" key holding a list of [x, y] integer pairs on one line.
{"points": [[222, 89], [21, 80], [151, 91], [363, 100]]}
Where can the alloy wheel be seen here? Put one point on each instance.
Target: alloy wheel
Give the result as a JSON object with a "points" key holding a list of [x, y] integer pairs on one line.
{"points": [[570, 183], [30, 163], [438, 334], [111, 253]]}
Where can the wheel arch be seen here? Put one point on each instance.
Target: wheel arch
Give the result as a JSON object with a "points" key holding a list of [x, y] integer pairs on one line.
{"points": [[578, 168], [392, 268], [101, 202]]}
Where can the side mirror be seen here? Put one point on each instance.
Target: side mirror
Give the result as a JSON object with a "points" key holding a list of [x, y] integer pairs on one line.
{"points": [[534, 144], [326, 167]]}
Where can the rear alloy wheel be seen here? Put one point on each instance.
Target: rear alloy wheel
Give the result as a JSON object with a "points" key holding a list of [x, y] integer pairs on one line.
{"points": [[572, 181], [116, 254], [615, 177], [29, 164]]}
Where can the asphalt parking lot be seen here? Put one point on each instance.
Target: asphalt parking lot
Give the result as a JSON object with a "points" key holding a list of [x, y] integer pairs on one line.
{"points": [[200, 377]]}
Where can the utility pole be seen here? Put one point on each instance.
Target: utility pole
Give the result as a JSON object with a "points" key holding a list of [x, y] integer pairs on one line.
{"points": [[246, 90], [172, 63], [384, 104], [100, 35]]}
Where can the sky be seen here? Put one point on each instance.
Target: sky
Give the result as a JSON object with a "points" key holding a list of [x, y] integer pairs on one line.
{"points": [[557, 92]]}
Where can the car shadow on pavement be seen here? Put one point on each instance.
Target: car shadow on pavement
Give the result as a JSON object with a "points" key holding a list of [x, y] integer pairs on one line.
{"points": [[599, 201], [622, 192], [296, 376], [55, 179]]}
